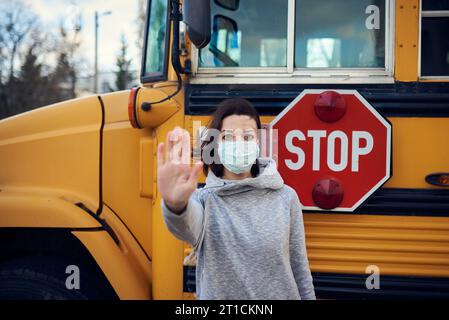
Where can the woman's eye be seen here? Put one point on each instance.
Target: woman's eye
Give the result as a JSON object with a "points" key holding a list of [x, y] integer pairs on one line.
{"points": [[248, 137], [227, 137]]}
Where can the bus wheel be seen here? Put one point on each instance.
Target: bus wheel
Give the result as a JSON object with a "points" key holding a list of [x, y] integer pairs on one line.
{"points": [[25, 279], [40, 264]]}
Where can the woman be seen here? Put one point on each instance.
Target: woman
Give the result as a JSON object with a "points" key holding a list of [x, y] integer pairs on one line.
{"points": [[245, 225]]}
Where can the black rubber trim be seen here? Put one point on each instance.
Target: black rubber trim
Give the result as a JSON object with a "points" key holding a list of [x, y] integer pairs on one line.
{"points": [[353, 286], [87, 229], [405, 202], [400, 202], [189, 279], [103, 223], [100, 169], [399, 99], [136, 120]]}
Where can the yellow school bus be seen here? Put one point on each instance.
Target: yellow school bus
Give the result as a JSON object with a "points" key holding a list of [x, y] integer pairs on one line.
{"points": [[80, 212]]}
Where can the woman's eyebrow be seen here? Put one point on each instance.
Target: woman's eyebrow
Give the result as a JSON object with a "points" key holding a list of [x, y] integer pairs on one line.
{"points": [[231, 130]]}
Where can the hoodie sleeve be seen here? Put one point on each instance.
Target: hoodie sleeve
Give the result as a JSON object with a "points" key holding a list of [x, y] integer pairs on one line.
{"points": [[298, 251], [187, 225]]}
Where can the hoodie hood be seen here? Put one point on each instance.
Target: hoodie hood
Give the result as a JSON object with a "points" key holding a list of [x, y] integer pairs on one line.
{"points": [[268, 178]]}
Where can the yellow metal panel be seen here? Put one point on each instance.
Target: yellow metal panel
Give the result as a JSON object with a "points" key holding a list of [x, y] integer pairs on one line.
{"points": [[406, 40], [167, 257], [116, 106], [398, 245], [147, 149], [121, 178], [116, 265], [122, 169], [55, 148], [126, 151], [130, 248], [434, 80], [420, 147], [21, 208]]}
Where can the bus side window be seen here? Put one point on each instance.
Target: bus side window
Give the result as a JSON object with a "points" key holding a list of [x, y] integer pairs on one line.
{"points": [[340, 34], [252, 33], [434, 43]]}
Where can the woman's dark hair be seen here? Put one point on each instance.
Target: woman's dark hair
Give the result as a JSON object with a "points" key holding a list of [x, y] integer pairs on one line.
{"points": [[237, 106]]}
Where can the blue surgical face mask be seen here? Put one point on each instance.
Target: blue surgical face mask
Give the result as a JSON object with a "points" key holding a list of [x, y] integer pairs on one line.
{"points": [[238, 156]]}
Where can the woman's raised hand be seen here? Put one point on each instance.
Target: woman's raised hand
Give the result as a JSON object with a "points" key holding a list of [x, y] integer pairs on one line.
{"points": [[176, 179]]}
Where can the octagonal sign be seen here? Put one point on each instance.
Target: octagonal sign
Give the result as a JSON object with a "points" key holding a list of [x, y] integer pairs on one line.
{"points": [[332, 147]]}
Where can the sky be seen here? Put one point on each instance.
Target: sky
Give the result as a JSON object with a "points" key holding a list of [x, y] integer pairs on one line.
{"points": [[121, 20]]}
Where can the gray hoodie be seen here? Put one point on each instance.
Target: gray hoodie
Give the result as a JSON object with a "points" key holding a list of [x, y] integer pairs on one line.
{"points": [[248, 237]]}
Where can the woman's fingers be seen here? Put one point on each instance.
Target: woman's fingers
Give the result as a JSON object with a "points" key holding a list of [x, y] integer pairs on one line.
{"points": [[185, 152], [195, 173], [172, 138], [178, 146], [169, 146], [160, 154]]}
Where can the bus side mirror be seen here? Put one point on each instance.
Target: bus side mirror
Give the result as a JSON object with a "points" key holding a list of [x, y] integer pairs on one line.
{"points": [[232, 5], [196, 16]]}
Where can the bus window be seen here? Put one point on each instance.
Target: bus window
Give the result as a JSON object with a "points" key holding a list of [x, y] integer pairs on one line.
{"points": [[156, 46], [340, 34], [434, 43], [430, 5], [250, 34]]}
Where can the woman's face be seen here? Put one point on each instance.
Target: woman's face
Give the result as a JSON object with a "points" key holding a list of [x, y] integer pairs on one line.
{"points": [[238, 127]]}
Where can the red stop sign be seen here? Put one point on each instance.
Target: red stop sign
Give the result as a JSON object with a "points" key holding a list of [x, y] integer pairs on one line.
{"points": [[332, 147]]}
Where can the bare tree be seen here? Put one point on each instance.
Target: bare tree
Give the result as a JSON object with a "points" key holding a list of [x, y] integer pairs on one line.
{"points": [[68, 48], [2, 51], [141, 24], [3, 59], [40, 66], [123, 75], [18, 21], [31, 80]]}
